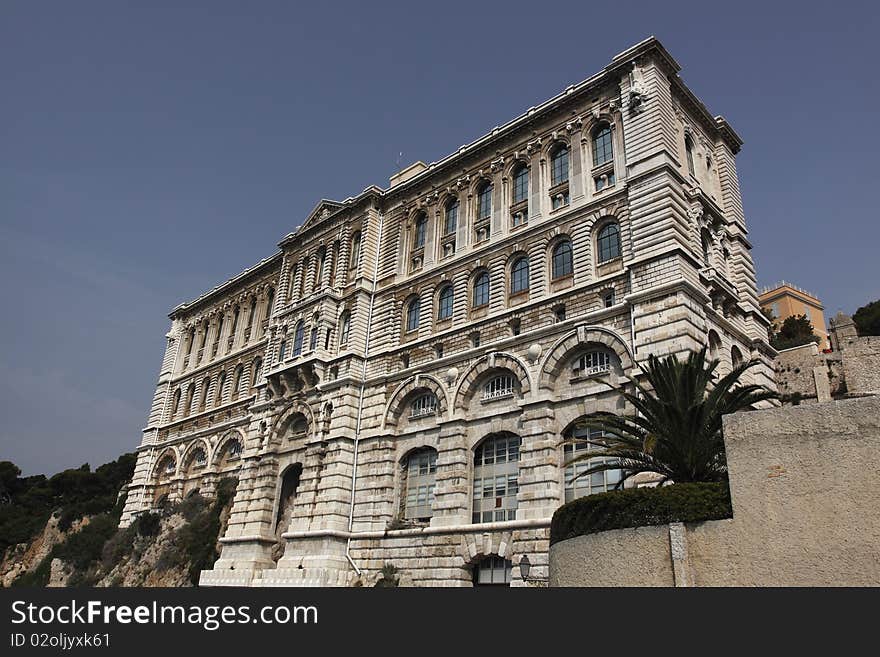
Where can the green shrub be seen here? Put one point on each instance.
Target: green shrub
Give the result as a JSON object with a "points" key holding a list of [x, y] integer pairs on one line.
{"points": [[638, 507]]}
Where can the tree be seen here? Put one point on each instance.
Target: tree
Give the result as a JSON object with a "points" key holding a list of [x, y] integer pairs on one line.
{"points": [[867, 319], [676, 431], [794, 332]]}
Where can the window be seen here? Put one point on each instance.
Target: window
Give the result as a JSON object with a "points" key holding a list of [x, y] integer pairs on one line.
{"points": [[258, 365], [203, 398], [562, 260], [422, 405], [444, 305], [346, 327], [450, 217], [168, 467], [420, 471], [355, 251], [421, 228], [190, 393], [412, 315], [239, 377], [484, 203], [499, 386], [234, 328], [519, 275], [481, 290], [598, 482], [298, 336], [313, 338], [475, 339], [270, 299], [520, 210], [609, 242], [282, 351], [521, 185], [319, 268], [559, 166], [496, 479], [175, 403], [736, 356], [438, 351], [234, 449], [493, 571], [218, 392], [603, 181], [603, 151], [559, 313], [689, 152], [706, 241], [593, 362], [608, 299], [200, 459]]}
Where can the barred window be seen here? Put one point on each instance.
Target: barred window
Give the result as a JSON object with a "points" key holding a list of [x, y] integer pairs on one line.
{"points": [[445, 300], [422, 405], [519, 275], [609, 242], [559, 166], [421, 228], [481, 290], [412, 315], [484, 203], [520, 185], [234, 449], [493, 571], [562, 260], [598, 482], [501, 385], [421, 470], [593, 362], [496, 479], [298, 336], [603, 151], [451, 218], [199, 457]]}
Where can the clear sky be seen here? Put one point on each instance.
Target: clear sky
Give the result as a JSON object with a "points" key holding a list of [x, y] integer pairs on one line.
{"points": [[150, 150]]}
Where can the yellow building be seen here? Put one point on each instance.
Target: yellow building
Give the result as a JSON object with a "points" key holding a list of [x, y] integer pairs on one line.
{"points": [[786, 300]]}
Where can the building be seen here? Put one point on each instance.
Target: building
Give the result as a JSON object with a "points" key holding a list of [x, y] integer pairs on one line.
{"points": [[785, 300], [395, 384]]}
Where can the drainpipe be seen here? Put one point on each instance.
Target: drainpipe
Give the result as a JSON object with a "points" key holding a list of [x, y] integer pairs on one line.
{"points": [[357, 430]]}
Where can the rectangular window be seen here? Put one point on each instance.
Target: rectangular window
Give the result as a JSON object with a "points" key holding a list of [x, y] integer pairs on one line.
{"points": [[576, 483]]}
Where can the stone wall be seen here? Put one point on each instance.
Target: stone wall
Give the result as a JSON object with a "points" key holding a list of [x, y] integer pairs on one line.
{"points": [[805, 511]]}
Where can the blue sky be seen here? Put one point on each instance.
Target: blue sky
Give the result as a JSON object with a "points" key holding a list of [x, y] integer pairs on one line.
{"points": [[151, 150]]}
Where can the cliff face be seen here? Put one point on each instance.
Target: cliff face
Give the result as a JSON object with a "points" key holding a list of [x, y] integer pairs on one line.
{"points": [[165, 548]]}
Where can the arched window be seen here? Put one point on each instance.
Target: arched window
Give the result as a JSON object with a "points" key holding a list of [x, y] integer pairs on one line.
{"points": [[496, 478], [412, 314], [355, 262], [258, 365], [736, 356], [520, 205], [450, 218], [714, 345], [603, 150], [421, 228], [218, 393], [175, 403], [192, 342], [559, 166], [203, 398], [319, 267], [282, 351], [493, 571], [297, 427], [190, 393], [420, 472], [235, 314], [481, 289], [608, 242], [562, 260], [484, 202], [424, 404], [167, 467], [594, 361], [345, 328], [199, 458], [298, 336], [237, 381], [579, 486], [500, 385], [444, 302], [313, 338], [519, 275], [521, 184], [689, 152]]}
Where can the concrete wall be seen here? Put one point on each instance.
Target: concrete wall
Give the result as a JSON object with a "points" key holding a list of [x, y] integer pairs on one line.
{"points": [[806, 511]]}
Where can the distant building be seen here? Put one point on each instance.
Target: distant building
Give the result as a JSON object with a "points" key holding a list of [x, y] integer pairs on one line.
{"points": [[786, 300]]}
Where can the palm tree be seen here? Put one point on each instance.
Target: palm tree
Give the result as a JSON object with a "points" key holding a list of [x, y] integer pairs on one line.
{"points": [[676, 431]]}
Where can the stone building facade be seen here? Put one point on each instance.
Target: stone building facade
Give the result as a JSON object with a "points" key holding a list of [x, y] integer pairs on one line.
{"points": [[395, 384]]}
